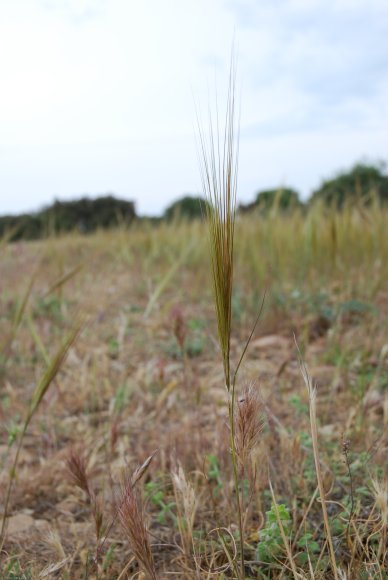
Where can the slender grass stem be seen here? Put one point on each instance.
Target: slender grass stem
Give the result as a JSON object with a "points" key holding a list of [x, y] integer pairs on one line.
{"points": [[38, 394], [231, 408], [314, 436], [12, 476]]}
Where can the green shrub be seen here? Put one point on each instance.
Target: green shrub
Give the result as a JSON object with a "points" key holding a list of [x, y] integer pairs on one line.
{"points": [[361, 182]]}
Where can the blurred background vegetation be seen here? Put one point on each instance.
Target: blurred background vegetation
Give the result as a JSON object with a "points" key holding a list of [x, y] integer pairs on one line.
{"points": [[361, 185]]}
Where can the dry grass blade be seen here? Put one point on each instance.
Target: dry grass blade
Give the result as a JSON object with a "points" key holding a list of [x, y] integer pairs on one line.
{"points": [[63, 279], [52, 370], [37, 339], [18, 315], [51, 569], [314, 435], [8, 235], [142, 469], [218, 571], [162, 285], [37, 397]]}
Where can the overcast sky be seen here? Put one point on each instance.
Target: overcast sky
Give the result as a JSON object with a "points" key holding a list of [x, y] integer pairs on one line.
{"points": [[99, 96]]}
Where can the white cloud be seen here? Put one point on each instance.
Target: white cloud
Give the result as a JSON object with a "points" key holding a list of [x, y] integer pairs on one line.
{"points": [[97, 95]]}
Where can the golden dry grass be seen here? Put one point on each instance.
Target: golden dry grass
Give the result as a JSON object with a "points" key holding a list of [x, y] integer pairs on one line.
{"points": [[128, 387]]}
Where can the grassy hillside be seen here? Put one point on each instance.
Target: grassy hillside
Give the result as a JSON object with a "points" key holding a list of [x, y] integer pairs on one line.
{"points": [[144, 376]]}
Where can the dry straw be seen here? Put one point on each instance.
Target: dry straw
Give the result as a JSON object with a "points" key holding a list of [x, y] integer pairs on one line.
{"points": [[314, 435]]}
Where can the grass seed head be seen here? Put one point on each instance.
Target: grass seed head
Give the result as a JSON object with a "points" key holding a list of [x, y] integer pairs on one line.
{"points": [[248, 420], [132, 521], [77, 468], [218, 165], [380, 492]]}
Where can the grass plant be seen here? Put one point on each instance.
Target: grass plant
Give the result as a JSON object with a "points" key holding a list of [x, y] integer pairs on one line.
{"points": [[37, 397], [219, 165]]}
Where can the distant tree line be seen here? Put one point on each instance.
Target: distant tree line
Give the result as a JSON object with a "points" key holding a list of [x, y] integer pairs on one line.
{"points": [[362, 184], [85, 215]]}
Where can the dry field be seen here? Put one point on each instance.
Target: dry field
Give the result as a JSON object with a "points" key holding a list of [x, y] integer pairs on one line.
{"points": [[144, 377]]}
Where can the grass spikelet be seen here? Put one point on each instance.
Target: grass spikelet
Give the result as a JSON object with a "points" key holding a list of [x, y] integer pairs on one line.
{"points": [[77, 468], [186, 502], [132, 520], [248, 423], [53, 541], [141, 470], [380, 491]]}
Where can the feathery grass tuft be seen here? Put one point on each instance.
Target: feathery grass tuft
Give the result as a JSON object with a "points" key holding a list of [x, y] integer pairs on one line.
{"points": [[248, 423], [132, 521], [219, 168]]}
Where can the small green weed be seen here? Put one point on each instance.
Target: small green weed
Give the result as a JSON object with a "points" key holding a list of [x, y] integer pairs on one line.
{"points": [[113, 348], [301, 408], [310, 548], [271, 546], [214, 472], [121, 398], [49, 307], [13, 571], [157, 498], [13, 430]]}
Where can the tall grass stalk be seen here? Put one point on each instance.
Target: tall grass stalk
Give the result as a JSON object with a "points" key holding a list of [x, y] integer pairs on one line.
{"points": [[37, 396], [218, 159], [314, 436]]}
